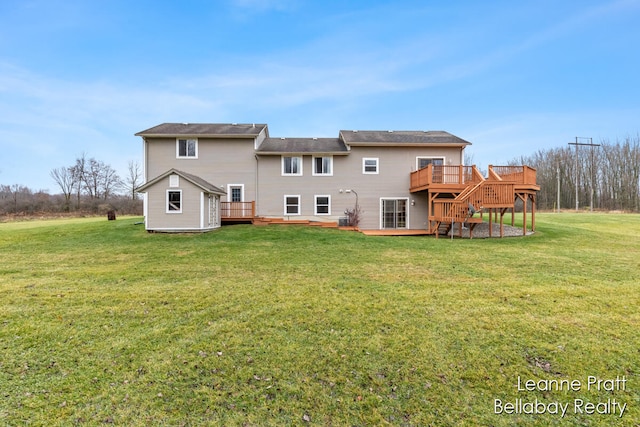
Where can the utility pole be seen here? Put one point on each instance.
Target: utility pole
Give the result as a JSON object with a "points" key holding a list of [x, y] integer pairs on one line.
{"points": [[558, 176], [590, 144]]}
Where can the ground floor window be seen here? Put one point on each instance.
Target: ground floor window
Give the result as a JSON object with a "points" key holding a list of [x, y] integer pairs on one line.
{"points": [[393, 213], [323, 205], [236, 192], [292, 205], [174, 201]]}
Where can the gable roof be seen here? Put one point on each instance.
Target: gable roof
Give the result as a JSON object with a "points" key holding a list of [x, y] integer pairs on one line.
{"points": [[195, 180], [377, 137], [302, 146], [216, 130]]}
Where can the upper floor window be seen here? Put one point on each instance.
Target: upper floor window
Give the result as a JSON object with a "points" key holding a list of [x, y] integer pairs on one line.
{"points": [[370, 165], [323, 165], [291, 165], [423, 162], [187, 148]]}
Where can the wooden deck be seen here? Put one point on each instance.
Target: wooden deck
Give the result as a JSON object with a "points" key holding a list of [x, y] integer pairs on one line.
{"points": [[456, 193], [238, 211], [395, 232]]}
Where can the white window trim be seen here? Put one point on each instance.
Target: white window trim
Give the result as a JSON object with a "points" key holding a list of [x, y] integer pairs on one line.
{"points": [[285, 205], [291, 174], [428, 157], [178, 156], [364, 162], [229, 186], [313, 166], [172, 190], [408, 205], [315, 204]]}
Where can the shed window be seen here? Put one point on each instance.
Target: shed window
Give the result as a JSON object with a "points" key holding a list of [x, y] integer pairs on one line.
{"points": [[174, 201]]}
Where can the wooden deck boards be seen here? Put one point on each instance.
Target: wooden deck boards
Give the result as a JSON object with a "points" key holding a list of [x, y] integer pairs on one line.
{"points": [[395, 232]]}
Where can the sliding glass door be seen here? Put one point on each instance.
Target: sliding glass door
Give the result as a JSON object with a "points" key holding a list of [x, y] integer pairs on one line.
{"points": [[394, 213]]}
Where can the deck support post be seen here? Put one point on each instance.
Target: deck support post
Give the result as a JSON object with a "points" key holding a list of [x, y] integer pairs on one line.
{"points": [[490, 222], [525, 198], [533, 212], [502, 212]]}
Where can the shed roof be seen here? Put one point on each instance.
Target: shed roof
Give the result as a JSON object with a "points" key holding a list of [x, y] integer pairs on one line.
{"points": [[391, 137], [303, 146], [195, 180], [232, 130]]}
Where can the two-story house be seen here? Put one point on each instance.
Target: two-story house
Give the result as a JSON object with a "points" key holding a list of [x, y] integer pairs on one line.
{"points": [[199, 175]]}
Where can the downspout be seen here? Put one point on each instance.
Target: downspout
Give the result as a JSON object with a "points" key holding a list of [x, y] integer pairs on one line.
{"points": [[256, 184]]}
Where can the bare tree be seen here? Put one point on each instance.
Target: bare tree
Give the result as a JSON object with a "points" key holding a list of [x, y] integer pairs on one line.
{"points": [[63, 176], [609, 175], [134, 179], [110, 182], [78, 172]]}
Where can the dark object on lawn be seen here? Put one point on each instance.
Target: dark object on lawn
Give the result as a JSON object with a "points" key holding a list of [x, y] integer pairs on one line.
{"points": [[111, 215]]}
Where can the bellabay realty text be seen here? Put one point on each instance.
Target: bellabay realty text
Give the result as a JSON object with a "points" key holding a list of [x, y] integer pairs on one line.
{"points": [[593, 384]]}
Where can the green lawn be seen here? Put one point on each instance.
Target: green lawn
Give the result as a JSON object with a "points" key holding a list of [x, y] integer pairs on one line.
{"points": [[101, 322]]}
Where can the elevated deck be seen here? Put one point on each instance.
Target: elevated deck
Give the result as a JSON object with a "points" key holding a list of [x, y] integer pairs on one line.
{"points": [[456, 193]]}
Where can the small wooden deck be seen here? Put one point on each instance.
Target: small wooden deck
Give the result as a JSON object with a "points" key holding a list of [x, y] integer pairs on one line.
{"points": [[238, 211]]}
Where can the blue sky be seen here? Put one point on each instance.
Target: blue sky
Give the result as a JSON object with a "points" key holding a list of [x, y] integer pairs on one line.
{"points": [[511, 77]]}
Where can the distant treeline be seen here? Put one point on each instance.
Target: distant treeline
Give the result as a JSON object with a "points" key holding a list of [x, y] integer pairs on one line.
{"points": [[89, 186], [607, 175]]}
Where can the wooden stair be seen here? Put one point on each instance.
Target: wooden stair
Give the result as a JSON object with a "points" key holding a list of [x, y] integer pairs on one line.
{"points": [[492, 193]]}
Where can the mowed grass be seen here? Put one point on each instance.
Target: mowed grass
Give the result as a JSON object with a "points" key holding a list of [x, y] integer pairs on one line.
{"points": [[101, 322]]}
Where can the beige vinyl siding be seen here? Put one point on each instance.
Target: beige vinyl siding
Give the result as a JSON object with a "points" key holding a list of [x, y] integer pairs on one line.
{"points": [[157, 216], [220, 162], [392, 181]]}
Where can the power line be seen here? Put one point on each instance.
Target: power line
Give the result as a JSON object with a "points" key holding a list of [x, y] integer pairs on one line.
{"points": [[589, 144]]}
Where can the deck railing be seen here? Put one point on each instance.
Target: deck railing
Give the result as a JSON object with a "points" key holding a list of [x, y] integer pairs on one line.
{"points": [[445, 174], [238, 210], [497, 194], [525, 175]]}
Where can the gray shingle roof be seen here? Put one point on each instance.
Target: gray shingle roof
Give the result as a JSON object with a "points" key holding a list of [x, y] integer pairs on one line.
{"points": [[195, 180], [302, 145], [374, 137], [204, 129]]}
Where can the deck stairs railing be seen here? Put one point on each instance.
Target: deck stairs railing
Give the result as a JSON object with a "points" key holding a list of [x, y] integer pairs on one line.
{"points": [[487, 193]]}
